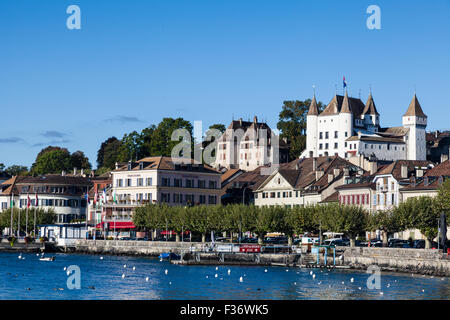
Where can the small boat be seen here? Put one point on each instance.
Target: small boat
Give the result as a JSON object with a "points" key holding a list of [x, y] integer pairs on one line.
{"points": [[47, 259], [169, 256]]}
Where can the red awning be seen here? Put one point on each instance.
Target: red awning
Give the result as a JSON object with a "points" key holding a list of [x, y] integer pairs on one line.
{"points": [[117, 225]]}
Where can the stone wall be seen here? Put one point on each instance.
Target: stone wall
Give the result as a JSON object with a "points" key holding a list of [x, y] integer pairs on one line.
{"points": [[126, 247], [423, 261]]}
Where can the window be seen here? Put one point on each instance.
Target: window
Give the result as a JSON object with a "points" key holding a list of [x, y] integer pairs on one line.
{"points": [[202, 199], [177, 183], [326, 135], [346, 134], [165, 182], [119, 183], [149, 181], [212, 184], [345, 144], [335, 134], [335, 145], [128, 183], [326, 145], [140, 182], [320, 135], [320, 146], [212, 199], [201, 184], [189, 183]]}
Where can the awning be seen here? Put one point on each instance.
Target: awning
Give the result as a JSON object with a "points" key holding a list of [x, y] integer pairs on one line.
{"points": [[117, 225]]}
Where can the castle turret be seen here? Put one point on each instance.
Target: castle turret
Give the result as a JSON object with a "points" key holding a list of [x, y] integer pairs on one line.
{"points": [[416, 120], [311, 128], [345, 124], [370, 115]]}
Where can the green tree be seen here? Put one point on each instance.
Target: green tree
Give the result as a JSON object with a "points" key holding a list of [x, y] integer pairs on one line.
{"points": [[442, 201], [17, 170], [108, 153], [80, 161], [292, 124], [52, 160], [42, 217], [385, 221], [130, 148]]}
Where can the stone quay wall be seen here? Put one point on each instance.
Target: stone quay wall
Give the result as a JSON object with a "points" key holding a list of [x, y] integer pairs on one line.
{"points": [[421, 261]]}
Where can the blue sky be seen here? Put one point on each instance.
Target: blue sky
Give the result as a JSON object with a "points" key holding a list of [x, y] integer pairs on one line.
{"points": [[134, 62]]}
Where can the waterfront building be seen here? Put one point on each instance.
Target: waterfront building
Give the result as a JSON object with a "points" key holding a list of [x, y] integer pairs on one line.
{"points": [[158, 180], [247, 145], [347, 127], [63, 193], [305, 181]]}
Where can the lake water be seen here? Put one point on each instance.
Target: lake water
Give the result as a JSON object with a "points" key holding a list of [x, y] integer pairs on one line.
{"points": [[30, 278]]}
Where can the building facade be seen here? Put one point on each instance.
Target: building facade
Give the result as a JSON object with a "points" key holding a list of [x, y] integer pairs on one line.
{"points": [[65, 194], [248, 145]]}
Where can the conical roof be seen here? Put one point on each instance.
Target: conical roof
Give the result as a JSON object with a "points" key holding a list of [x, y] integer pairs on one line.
{"points": [[313, 111], [370, 107], [346, 105], [415, 109]]}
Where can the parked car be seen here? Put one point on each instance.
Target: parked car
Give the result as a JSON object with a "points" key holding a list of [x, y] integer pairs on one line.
{"points": [[249, 240], [419, 244]]}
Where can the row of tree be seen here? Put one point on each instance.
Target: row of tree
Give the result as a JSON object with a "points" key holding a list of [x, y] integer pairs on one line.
{"points": [[43, 216], [416, 213]]}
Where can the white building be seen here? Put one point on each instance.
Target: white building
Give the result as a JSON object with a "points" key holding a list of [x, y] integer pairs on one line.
{"points": [[248, 145], [62, 193], [347, 127]]}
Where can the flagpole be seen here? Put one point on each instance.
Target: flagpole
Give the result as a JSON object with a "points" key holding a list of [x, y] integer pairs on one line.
{"points": [[35, 209], [18, 224], [12, 214], [26, 223]]}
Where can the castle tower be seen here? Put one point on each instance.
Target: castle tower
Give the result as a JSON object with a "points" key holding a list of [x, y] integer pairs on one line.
{"points": [[416, 121], [345, 124], [370, 115], [311, 128]]}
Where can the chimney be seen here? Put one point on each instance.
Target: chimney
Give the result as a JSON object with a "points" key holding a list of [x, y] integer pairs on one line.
{"points": [[240, 122], [404, 171], [336, 172], [74, 171], [255, 119], [346, 172], [117, 166], [419, 172], [296, 166], [319, 174], [330, 177], [373, 167], [314, 167], [444, 157]]}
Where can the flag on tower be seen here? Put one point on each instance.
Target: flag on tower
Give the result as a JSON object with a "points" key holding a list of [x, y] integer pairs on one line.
{"points": [[345, 82], [28, 201]]}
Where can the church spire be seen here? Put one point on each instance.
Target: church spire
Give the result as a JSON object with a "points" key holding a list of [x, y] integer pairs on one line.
{"points": [[313, 110], [346, 105]]}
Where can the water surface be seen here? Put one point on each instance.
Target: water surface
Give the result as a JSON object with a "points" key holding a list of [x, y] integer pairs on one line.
{"points": [[30, 278]]}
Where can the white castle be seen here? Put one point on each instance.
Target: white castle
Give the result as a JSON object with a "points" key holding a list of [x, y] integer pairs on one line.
{"points": [[347, 128]]}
